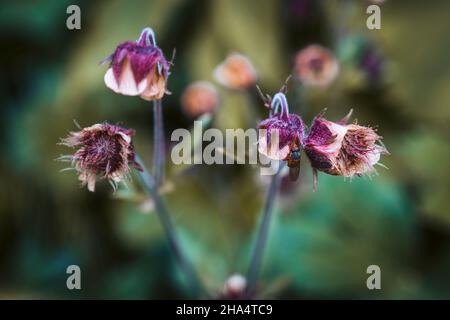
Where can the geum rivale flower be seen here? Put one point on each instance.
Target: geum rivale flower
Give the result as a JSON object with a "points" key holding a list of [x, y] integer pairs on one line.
{"points": [[138, 68]]}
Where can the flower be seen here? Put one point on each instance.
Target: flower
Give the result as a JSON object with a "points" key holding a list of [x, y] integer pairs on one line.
{"points": [[341, 149], [104, 151], [236, 72], [138, 68], [363, 56], [316, 66], [199, 98], [288, 127]]}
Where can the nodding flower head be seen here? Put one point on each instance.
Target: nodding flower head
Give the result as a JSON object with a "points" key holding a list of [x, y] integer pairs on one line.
{"points": [[236, 72], [343, 149], [138, 68], [289, 130], [104, 151], [199, 98], [316, 66]]}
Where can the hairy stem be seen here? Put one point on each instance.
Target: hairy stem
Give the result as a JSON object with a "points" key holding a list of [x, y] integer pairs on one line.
{"points": [[263, 232], [150, 185], [159, 142]]}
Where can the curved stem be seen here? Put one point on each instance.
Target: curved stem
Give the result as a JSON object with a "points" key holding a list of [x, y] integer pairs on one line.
{"points": [[150, 185], [279, 100], [159, 143], [263, 232], [147, 37]]}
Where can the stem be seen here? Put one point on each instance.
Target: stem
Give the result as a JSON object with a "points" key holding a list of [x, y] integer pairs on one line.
{"points": [[279, 100], [263, 232], [159, 142], [164, 217]]}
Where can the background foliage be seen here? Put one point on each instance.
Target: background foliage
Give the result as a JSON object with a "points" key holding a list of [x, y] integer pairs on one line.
{"points": [[321, 243]]}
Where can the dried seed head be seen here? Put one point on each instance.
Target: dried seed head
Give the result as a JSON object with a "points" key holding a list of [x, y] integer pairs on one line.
{"points": [[104, 151], [341, 149]]}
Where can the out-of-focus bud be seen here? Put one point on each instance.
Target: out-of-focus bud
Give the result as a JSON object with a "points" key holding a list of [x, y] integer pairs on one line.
{"points": [[316, 66], [138, 68], [234, 287], [236, 72], [341, 149], [104, 151], [199, 98]]}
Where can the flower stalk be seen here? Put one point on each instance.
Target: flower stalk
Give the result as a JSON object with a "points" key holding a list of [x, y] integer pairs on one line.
{"points": [[150, 186], [159, 143], [255, 264]]}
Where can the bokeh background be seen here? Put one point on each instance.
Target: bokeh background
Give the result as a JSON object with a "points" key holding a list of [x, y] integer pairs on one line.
{"points": [[320, 243]]}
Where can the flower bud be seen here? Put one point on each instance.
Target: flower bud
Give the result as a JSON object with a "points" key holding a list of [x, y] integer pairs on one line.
{"points": [[138, 68], [341, 149], [104, 151], [234, 287], [236, 72], [316, 66], [199, 98]]}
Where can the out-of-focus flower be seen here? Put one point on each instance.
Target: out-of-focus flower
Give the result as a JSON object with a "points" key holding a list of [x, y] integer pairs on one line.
{"points": [[234, 287], [104, 151], [316, 66], [343, 149], [361, 54], [236, 72], [138, 68], [199, 98], [288, 127]]}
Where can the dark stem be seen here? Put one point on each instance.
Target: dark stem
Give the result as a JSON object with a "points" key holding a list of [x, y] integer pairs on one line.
{"points": [[150, 185], [263, 232], [159, 143]]}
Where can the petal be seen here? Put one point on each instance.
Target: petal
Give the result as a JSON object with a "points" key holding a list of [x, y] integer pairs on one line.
{"points": [[155, 87], [273, 152], [127, 85]]}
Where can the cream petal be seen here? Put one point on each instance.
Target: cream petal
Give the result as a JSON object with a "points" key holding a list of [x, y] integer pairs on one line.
{"points": [[127, 85], [125, 137], [91, 182], [374, 157], [274, 152], [110, 80], [335, 146], [153, 89]]}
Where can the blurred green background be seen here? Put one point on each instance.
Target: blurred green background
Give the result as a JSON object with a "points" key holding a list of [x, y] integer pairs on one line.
{"points": [[320, 244]]}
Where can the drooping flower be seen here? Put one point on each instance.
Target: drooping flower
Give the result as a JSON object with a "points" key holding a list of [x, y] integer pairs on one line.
{"points": [[343, 149], [138, 68], [104, 151], [288, 127], [199, 98], [316, 66], [236, 72]]}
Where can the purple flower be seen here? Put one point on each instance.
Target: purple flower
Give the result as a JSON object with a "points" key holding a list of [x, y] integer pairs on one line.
{"points": [[341, 149], [138, 68], [288, 127], [104, 151]]}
